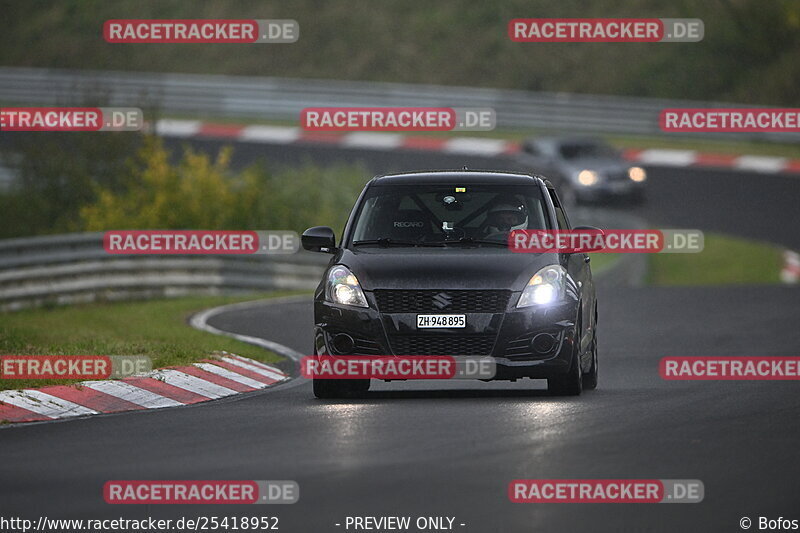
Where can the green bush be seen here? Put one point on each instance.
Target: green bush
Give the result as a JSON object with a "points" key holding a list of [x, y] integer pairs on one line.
{"points": [[94, 184], [199, 192], [58, 174]]}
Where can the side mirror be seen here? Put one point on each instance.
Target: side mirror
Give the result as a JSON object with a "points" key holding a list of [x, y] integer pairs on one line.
{"points": [[319, 239], [596, 232]]}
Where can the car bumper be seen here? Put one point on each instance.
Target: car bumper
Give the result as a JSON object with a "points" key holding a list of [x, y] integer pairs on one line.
{"points": [[610, 189], [536, 342]]}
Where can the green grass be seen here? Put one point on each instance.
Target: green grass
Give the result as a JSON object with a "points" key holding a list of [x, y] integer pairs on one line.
{"points": [[155, 328], [724, 260], [602, 262]]}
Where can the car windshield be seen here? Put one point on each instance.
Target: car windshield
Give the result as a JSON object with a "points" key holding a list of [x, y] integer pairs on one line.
{"points": [[586, 150], [444, 215]]}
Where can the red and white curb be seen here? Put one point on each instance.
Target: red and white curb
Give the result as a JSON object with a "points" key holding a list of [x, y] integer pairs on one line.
{"points": [[211, 379], [217, 377], [455, 145], [791, 267]]}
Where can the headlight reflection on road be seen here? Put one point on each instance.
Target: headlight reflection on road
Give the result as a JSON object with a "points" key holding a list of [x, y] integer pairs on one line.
{"points": [[544, 420], [347, 420]]}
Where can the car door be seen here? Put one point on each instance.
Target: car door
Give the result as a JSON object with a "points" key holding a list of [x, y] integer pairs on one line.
{"points": [[577, 266]]}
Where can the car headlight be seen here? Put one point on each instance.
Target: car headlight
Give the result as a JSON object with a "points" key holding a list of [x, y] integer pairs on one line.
{"points": [[343, 288], [637, 174], [546, 286], [587, 177]]}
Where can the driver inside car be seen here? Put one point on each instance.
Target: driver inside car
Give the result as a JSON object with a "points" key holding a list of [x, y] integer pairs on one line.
{"points": [[505, 216]]}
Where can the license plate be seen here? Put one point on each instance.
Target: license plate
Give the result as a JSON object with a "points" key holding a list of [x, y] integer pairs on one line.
{"points": [[441, 321]]}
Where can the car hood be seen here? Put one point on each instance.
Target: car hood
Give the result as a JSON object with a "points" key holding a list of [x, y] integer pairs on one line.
{"points": [[443, 268]]}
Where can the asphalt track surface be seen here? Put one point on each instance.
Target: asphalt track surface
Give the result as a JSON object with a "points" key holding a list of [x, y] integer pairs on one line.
{"points": [[450, 449]]}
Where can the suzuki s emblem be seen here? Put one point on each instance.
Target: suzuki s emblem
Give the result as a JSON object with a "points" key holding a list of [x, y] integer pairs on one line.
{"points": [[442, 300]]}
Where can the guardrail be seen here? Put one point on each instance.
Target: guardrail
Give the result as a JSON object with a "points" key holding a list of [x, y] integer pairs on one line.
{"points": [[73, 268], [283, 98]]}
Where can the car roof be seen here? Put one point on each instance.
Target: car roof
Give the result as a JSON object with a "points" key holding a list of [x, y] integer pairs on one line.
{"points": [[456, 176]]}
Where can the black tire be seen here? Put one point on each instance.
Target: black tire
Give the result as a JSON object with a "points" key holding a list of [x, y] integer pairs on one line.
{"points": [[570, 384], [590, 377], [331, 389]]}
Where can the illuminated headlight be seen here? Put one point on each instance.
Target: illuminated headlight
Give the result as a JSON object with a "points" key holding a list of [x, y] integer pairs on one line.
{"points": [[546, 286], [637, 174], [343, 288], [587, 177]]}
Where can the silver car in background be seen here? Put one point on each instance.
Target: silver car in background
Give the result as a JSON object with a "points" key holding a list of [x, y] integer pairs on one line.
{"points": [[586, 170]]}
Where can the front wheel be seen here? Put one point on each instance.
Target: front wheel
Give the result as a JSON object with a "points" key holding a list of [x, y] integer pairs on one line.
{"points": [[590, 378], [570, 384]]}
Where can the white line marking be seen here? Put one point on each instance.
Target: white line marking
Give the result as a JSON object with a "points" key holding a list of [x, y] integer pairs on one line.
{"points": [[378, 141], [270, 134], [760, 163], [256, 363], [790, 273], [229, 374], [191, 383], [253, 368], [126, 391], [178, 128], [677, 158], [44, 404], [200, 321], [475, 145]]}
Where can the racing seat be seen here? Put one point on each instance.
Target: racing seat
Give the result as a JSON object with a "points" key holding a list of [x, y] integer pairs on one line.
{"points": [[408, 225]]}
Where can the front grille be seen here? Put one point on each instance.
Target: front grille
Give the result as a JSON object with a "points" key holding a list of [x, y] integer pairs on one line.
{"points": [[365, 346], [442, 344], [441, 301], [520, 347], [617, 176]]}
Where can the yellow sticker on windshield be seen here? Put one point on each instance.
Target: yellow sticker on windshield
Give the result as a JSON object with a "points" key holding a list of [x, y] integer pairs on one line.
{"points": [[461, 189]]}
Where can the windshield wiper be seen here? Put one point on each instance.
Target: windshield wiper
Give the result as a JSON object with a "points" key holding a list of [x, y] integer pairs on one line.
{"points": [[386, 242], [470, 240]]}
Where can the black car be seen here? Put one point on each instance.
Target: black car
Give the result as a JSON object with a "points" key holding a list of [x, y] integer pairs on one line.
{"points": [[433, 243], [586, 170]]}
